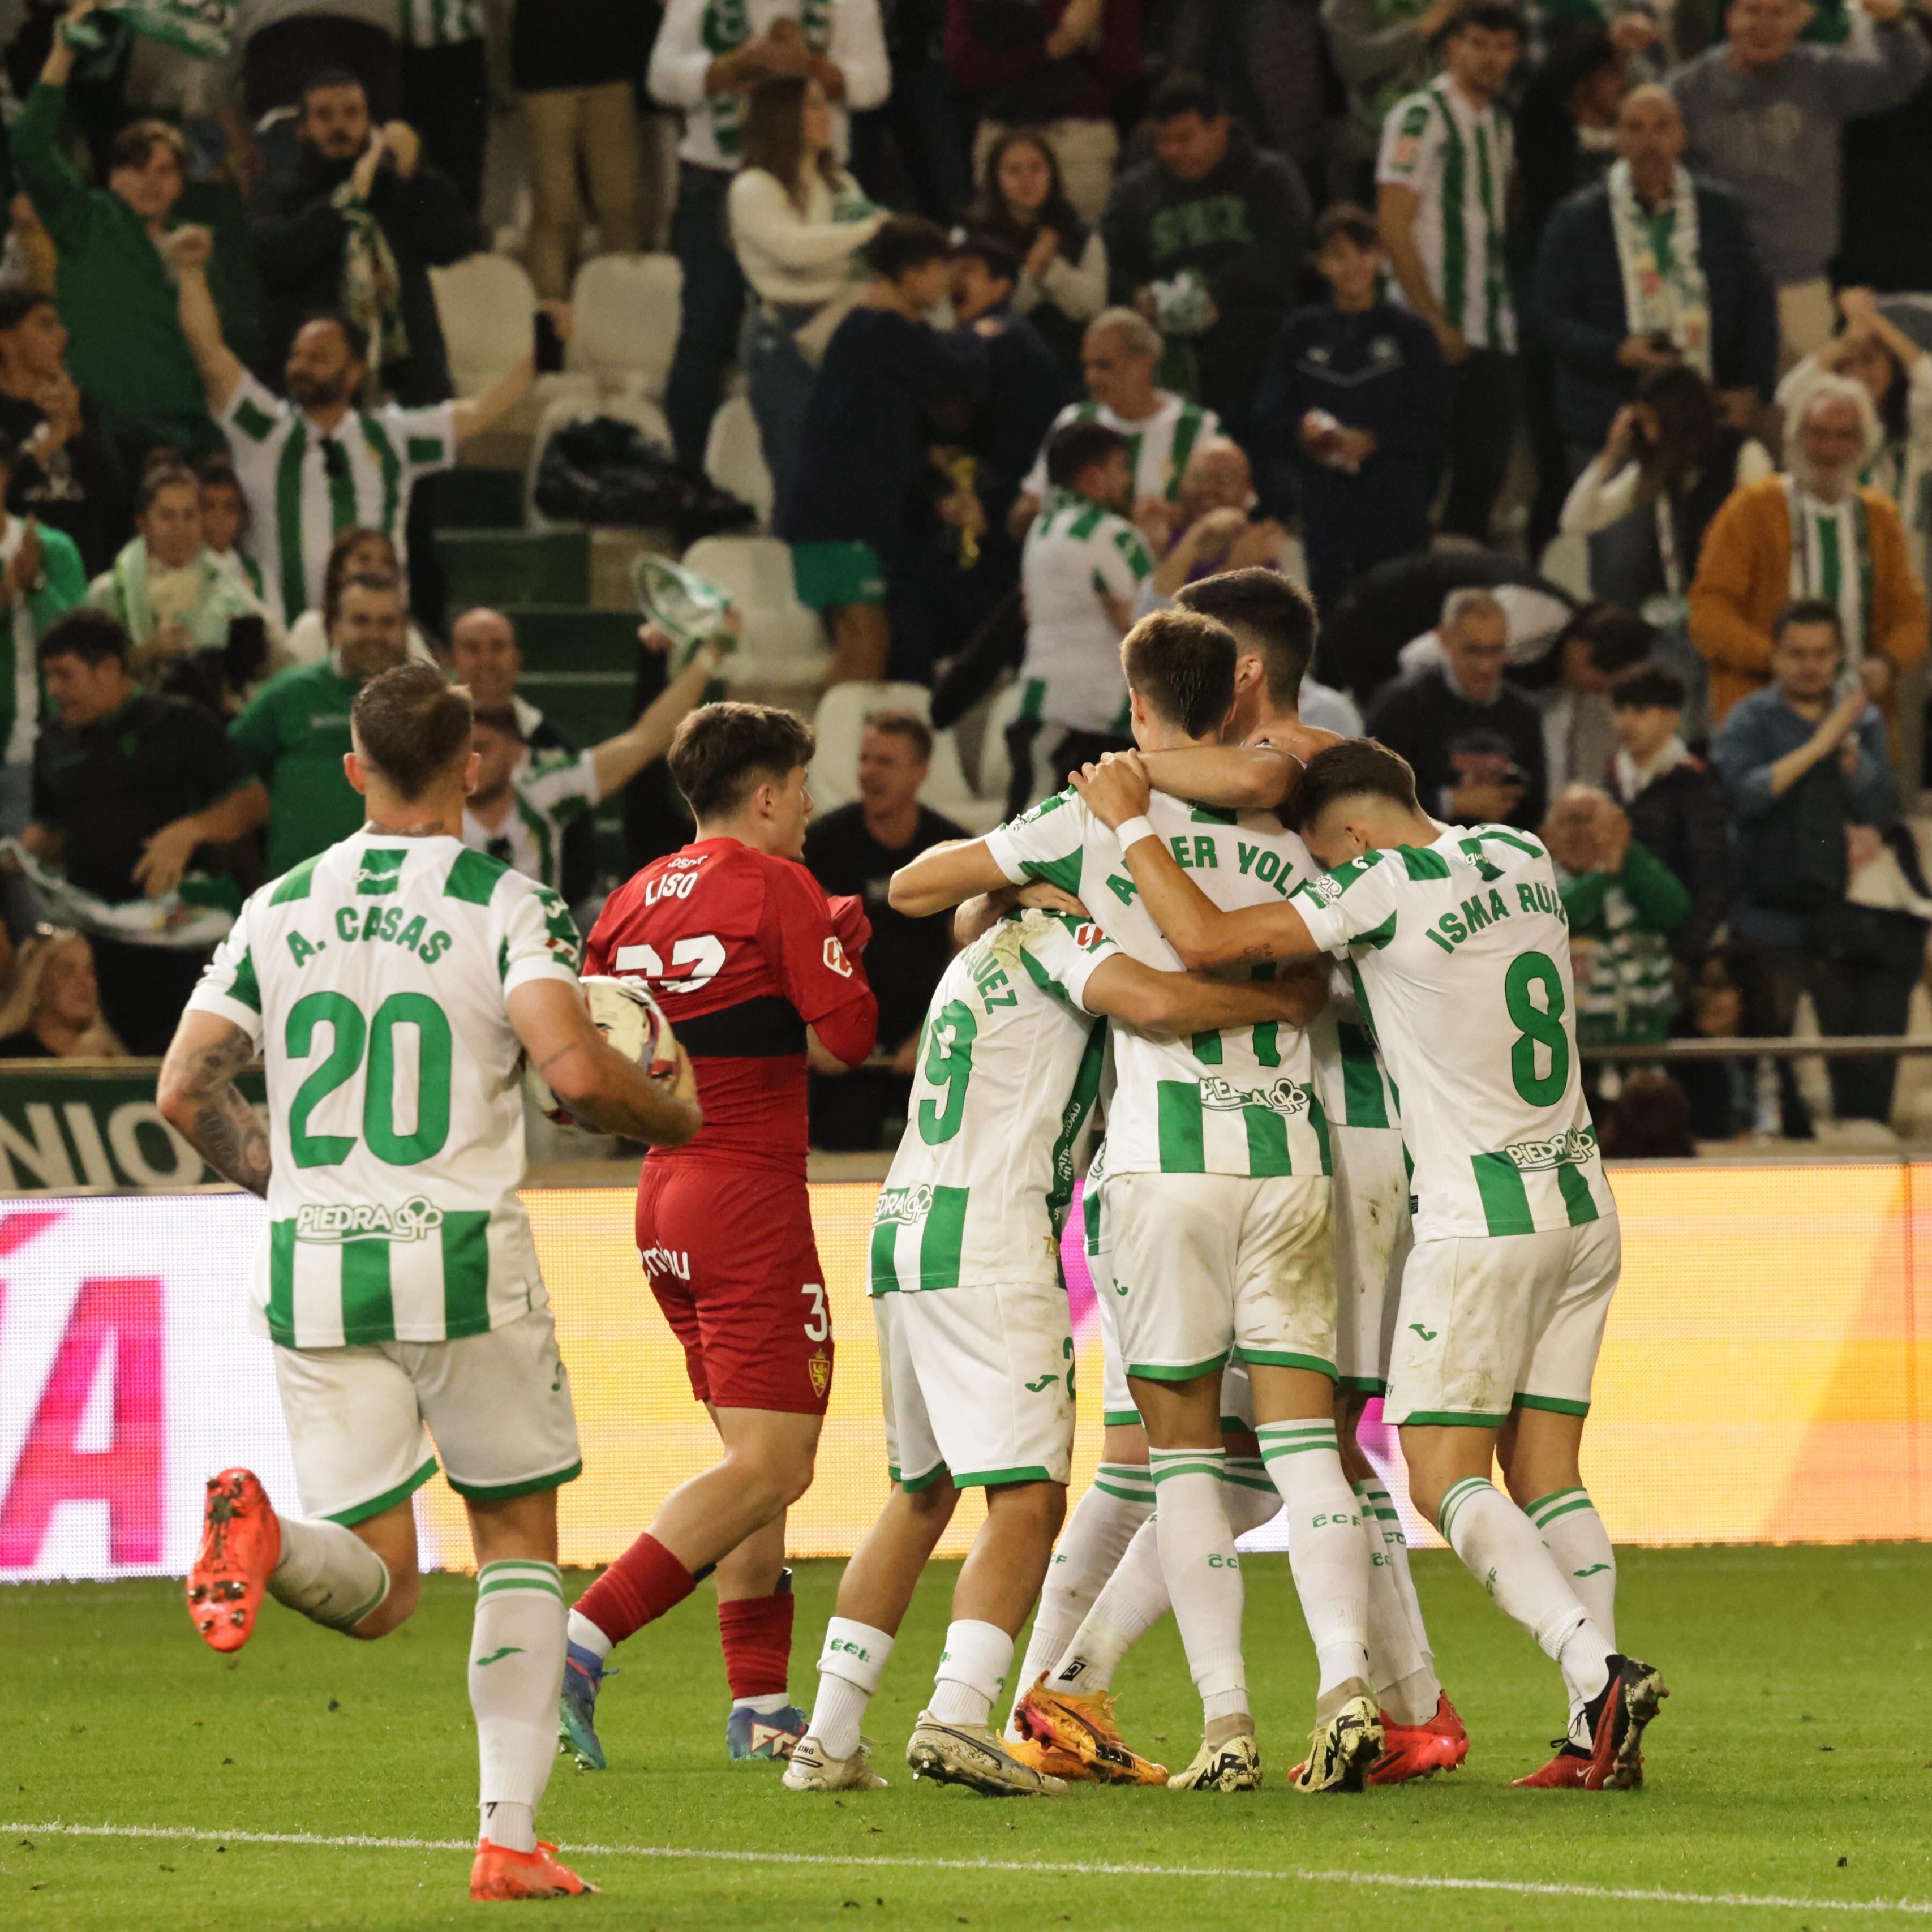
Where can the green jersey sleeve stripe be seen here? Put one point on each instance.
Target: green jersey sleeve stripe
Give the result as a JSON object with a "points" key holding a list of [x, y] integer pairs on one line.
{"points": [[295, 882], [473, 877], [245, 987]]}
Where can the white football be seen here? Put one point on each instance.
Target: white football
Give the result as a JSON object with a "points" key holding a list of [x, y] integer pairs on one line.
{"points": [[631, 1020]]}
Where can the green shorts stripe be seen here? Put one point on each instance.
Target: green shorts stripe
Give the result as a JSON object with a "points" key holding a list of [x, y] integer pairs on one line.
{"points": [[1166, 1372], [993, 1479], [1363, 1384], [503, 1492], [912, 1485], [388, 1499], [1449, 1418], [1554, 1404], [1271, 1358], [1121, 1418]]}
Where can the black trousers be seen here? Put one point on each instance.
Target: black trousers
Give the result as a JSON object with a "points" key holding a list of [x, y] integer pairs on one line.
{"points": [[1070, 750], [1486, 408], [1349, 524], [143, 989], [446, 99]]}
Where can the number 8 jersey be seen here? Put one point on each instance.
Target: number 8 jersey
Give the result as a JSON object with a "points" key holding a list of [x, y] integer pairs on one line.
{"points": [[1461, 956], [374, 978]]}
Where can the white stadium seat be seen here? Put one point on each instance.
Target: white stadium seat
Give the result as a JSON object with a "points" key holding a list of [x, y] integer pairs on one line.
{"points": [[840, 722], [782, 642], [734, 457], [485, 303], [626, 309]]}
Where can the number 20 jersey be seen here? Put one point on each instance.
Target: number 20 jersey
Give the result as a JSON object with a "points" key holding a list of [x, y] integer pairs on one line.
{"points": [[738, 947], [374, 978]]}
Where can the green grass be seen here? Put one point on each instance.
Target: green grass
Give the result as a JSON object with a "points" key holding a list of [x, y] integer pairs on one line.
{"points": [[1793, 1760]]}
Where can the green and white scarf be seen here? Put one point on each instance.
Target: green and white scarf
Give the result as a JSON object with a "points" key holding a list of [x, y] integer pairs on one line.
{"points": [[195, 916], [1827, 563], [725, 28], [372, 283], [201, 595], [1664, 290], [203, 29]]}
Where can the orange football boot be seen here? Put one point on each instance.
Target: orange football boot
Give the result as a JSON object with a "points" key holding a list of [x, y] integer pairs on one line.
{"points": [[1086, 1727], [1421, 1750], [1051, 1760], [500, 1873], [241, 1544]]}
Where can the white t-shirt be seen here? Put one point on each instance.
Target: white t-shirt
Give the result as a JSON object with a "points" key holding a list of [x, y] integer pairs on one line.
{"points": [[1239, 1101], [1158, 446], [1461, 954], [546, 794], [1076, 556], [1008, 1065], [373, 977]]}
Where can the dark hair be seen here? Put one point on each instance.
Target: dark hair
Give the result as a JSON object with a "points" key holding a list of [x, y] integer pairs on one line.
{"points": [[335, 572], [133, 146], [1178, 94], [1271, 612], [1075, 447], [1808, 610], [411, 724], [1349, 769], [11, 447], [1182, 664], [774, 135], [318, 78], [1685, 406], [999, 258], [1491, 16], [722, 752], [1349, 222], [1650, 1119], [88, 634], [908, 725], [498, 717], [384, 583], [1618, 638], [904, 242], [165, 471], [16, 304], [355, 337], [1649, 687], [990, 215]]}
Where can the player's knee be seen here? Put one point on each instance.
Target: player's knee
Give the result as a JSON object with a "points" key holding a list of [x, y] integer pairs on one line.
{"points": [[393, 1611], [1040, 1506]]}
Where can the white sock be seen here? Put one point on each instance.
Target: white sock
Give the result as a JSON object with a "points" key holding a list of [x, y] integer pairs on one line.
{"points": [[1395, 1543], [328, 1574], [1204, 1574], [1103, 1523], [765, 1704], [972, 1672], [1573, 1533], [1404, 1678], [1325, 1546], [516, 1671], [583, 1631], [1501, 1549], [849, 1669]]}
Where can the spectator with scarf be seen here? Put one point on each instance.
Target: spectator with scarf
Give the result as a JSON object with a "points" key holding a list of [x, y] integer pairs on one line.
{"points": [[1647, 269], [1811, 533]]}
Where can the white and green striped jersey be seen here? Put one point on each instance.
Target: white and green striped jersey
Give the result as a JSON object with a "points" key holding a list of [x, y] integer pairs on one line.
{"points": [[374, 978], [303, 488], [546, 794], [439, 23], [1077, 555], [1458, 160], [1239, 1101], [1008, 1065], [1461, 958], [1158, 445]]}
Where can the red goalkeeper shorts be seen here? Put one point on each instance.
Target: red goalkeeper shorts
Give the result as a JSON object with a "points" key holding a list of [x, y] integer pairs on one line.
{"points": [[733, 1262]]}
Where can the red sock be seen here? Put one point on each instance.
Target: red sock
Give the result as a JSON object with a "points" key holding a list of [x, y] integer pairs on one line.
{"points": [[756, 1632], [637, 1589]]}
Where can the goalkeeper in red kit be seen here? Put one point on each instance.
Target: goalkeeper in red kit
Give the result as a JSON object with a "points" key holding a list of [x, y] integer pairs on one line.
{"points": [[738, 943]]}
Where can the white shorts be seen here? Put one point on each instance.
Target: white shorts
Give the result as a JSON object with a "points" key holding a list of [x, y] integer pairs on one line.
{"points": [[976, 1383], [1489, 1322], [1118, 1408], [1372, 1235], [498, 1406], [1204, 1264]]}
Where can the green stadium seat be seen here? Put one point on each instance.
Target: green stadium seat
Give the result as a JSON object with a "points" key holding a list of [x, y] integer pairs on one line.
{"points": [[500, 566], [478, 499], [566, 638]]}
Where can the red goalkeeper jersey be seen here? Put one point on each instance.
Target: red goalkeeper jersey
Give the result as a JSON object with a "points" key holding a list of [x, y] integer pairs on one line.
{"points": [[743, 951]]}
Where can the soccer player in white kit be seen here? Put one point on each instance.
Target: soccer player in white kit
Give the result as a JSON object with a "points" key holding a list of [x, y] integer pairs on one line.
{"points": [[975, 1350], [1460, 952], [394, 984]]}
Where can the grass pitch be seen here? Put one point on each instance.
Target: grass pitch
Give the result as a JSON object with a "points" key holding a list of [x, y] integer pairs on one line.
{"points": [[1790, 1776]]}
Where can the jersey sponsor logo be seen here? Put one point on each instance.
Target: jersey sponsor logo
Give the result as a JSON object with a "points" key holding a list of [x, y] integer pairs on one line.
{"points": [[1570, 1148], [673, 1262], [380, 874], [1281, 1096], [1405, 154], [1323, 886], [416, 1220], [906, 1206], [1089, 938], [835, 957]]}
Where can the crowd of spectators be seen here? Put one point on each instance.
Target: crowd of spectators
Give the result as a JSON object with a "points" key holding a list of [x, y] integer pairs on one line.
{"points": [[1044, 309]]}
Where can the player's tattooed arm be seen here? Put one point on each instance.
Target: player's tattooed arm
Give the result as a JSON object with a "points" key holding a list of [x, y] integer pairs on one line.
{"points": [[199, 1099]]}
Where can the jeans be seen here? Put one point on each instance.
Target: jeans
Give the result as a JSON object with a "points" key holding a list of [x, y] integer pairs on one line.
{"points": [[779, 381], [1486, 404], [713, 305]]}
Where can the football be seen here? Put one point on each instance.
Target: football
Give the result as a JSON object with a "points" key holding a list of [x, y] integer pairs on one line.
{"points": [[631, 1020]]}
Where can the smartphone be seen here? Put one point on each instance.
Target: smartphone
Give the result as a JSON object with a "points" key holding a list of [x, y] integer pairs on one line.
{"points": [[550, 345], [245, 655]]}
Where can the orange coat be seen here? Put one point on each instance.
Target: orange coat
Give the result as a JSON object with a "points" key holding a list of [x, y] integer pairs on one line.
{"points": [[1744, 580]]}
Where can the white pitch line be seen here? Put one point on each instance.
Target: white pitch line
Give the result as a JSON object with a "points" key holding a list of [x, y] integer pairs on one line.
{"points": [[1030, 1868]]}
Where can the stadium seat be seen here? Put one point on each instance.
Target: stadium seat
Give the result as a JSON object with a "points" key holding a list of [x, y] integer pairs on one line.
{"points": [[840, 721], [782, 643], [626, 309], [499, 567], [734, 458], [631, 409], [485, 303], [996, 766]]}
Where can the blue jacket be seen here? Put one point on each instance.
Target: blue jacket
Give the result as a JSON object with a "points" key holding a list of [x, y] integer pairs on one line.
{"points": [[1380, 370], [1576, 304]]}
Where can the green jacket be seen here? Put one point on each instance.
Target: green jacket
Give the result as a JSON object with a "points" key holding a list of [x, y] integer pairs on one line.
{"points": [[125, 346], [1629, 998]]}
